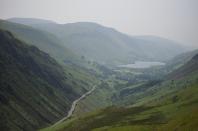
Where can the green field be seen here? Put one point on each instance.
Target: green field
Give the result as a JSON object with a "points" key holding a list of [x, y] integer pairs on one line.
{"points": [[171, 112]]}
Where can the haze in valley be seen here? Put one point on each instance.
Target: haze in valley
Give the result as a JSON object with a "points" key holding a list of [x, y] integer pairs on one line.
{"points": [[172, 19]]}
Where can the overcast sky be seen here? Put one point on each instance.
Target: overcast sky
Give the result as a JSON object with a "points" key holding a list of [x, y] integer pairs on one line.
{"points": [[173, 19]]}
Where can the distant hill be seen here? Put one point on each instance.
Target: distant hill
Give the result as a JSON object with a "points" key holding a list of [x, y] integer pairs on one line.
{"points": [[180, 60], [108, 46], [45, 41], [30, 21], [35, 90], [191, 67]]}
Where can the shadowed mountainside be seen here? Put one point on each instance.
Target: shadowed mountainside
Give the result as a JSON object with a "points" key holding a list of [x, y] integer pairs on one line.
{"points": [[45, 41], [35, 90]]}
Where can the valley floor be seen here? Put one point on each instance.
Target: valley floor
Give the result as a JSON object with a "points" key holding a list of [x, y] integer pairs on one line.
{"points": [[167, 106], [74, 104], [164, 116]]}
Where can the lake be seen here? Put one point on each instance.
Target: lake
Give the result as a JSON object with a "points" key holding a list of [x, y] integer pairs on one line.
{"points": [[143, 64]]}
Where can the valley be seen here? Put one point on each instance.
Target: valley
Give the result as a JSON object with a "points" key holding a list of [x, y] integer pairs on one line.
{"points": [[147, 105], [87, 77]]}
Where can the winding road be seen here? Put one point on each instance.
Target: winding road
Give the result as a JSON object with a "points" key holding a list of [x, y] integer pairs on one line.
{"points": [[70, 112]]}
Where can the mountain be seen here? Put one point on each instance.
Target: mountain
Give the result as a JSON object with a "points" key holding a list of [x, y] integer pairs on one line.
{"points": [[35, 90], [180, 60], [30, 21], [108, 46], [156, 46], [38, 88], [45, 41], [191, 67]]}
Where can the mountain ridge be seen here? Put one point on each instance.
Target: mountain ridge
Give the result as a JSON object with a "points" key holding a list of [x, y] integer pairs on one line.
{"points": [[109, 46], [45, 41]]}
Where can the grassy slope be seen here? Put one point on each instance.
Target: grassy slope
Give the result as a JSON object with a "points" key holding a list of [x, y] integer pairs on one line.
{"points": [[35, 90], [100, 98], [50, 44], [179, 60], [163, 111], [171, 105], [45, 41]]}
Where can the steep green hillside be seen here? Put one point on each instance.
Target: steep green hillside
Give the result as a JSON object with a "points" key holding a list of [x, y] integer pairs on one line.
{"points": [[180, 60], [100, 98], [173, 112], [167, 105], [190, 67], [108, 46], [35, 90], [45, 41]]}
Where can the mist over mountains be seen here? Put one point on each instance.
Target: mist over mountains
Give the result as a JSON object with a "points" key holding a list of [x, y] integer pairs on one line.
{"points": [[48, 70], [107, 45]]}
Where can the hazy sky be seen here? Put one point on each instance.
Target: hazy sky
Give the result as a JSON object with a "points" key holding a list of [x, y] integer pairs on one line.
{"points": [[173, 19]]}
